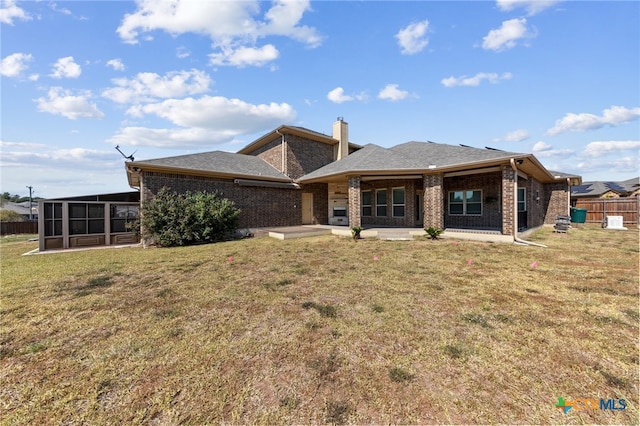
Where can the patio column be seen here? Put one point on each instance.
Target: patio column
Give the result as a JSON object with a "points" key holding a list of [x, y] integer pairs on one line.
{"points": [[509, 181], [354, 201], [433, 212]]}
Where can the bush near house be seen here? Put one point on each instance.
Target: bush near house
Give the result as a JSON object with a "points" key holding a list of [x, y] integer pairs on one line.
{"points": [[173, 219], [10, 216]]}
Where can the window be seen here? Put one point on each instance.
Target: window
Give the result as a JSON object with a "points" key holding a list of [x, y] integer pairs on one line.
{"points": [[381, 202], [522, 199], [366, 203], [121, 215], [86, 218], [398, 202], [465, 202], [52, 219]]}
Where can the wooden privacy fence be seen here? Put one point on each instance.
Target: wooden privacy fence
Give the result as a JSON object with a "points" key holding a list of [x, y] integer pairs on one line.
{"points": [[599, 208], [9, 228]]}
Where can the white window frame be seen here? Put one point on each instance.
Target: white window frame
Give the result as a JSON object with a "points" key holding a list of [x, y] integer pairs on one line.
{"points": [[385, 205], [464, 203], [403, 204], [369, 206]]}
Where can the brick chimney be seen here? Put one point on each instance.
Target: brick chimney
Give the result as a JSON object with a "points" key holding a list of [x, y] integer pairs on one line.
{"points": [[341, 133]]}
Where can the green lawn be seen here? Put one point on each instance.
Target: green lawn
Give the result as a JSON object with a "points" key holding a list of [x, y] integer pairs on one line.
{"points": [[322, 330]]}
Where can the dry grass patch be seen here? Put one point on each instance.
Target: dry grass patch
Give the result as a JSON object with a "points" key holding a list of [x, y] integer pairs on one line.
{"points": [[316, 331]]}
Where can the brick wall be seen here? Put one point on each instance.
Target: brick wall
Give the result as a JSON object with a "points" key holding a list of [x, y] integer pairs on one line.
{"points": [[301, 155], [556, 196], [508, 185], [355, 201], [535, 202], [433, 213], [408, 220], [320, 202], [259, 207], [304, 156], [271, 153], [489, 184]]}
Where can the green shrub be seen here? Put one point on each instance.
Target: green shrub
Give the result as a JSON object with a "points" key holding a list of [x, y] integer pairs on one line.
{"points": [[10, 216], [355, 232], [173, 219], [433, 232]]}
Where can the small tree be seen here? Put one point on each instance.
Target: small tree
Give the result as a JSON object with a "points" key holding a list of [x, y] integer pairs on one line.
{"points": [[173, 219]]}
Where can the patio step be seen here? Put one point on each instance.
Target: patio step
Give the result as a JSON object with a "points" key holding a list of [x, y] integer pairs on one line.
{"points": [[287, 233]]}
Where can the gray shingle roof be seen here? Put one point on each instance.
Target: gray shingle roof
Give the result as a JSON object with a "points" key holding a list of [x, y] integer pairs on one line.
{"points": [[408, 156], [221, 162]]}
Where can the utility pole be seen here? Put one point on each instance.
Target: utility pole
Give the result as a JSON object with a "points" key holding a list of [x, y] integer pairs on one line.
{"points": [[30, 201]]}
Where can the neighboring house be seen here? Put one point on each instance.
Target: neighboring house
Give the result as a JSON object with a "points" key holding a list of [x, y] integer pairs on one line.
{"points": [[606, 189], [293, 176], [22, 209]]}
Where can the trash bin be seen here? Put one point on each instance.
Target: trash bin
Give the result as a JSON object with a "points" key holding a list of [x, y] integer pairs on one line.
{"points": [[578, 215]]}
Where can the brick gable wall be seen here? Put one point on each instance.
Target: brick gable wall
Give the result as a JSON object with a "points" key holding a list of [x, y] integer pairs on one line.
{"points": [[304, 156], [301, 156], [271, 153]]}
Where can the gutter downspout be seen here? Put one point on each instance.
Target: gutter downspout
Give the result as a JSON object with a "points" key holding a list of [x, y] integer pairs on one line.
{"points": [[283, 160], [515, 209]]}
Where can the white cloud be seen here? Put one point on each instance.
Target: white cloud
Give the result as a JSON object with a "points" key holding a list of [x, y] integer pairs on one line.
{"points": [[245, 56], [337, 96], [217, 112], [116, 64], [531, 6], [66, 68], [474, 81], [14, 65], [24, 145], [515, 136], [613, 116], [182, 52], [9, 11], [147, 86], [207, 121], [507, 36], [55, 8], [233, 27], [541, 146], [392, 93], [543, 149], [63, 102], [599, 148], [171, 138], [413, 38], [619, 165], [282, 19], [41, 154]]}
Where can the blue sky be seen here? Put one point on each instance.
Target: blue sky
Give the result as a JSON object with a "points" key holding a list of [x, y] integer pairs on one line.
{"points": [[559, 79]]}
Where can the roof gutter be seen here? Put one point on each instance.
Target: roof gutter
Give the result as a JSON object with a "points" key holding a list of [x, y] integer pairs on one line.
{"points": [[515, 209]]}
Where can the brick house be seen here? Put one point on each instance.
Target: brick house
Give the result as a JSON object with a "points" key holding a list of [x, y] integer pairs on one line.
{"points": [[294, 176]]}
